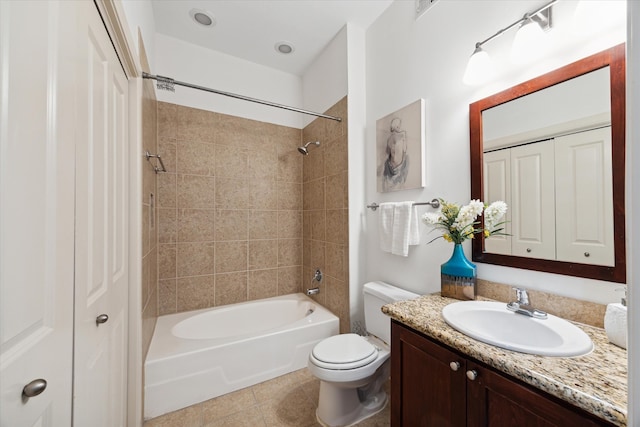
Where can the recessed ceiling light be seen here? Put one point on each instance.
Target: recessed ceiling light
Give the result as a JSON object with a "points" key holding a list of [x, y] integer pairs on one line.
{"points": [[203, 17], [284, 48]]}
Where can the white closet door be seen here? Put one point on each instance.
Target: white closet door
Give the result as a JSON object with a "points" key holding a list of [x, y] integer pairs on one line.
{"points": [[584, 197], [37, 90], [532, 197], [100, 370], [497, 186]]}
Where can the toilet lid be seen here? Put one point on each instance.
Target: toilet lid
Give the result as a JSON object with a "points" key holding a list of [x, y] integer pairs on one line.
{"points": [[345, 349]]}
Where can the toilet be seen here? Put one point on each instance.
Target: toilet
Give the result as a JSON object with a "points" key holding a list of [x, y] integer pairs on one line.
{"points": [[352, 369]]}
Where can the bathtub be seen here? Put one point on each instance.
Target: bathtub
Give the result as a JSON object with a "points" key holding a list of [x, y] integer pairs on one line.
{"points": [[202, 354]]}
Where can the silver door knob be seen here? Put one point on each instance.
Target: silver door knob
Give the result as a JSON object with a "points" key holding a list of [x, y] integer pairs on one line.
{"points": [[34, 388], [101, 319], [472, 375], [454, 366]]}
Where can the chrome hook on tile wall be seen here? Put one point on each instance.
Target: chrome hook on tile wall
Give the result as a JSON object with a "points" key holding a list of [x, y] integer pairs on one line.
{"points": [[156, 169]]}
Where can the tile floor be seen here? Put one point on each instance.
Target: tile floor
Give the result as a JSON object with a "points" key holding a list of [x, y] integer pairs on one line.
{"points": [[289, 400]]}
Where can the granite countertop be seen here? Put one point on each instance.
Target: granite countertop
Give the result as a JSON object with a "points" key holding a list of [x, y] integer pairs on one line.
{"points": [[596, 382]]}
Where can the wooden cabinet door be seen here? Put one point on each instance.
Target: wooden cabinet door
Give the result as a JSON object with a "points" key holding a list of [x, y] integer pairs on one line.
{"points": [[425, 390], [494, 400]]}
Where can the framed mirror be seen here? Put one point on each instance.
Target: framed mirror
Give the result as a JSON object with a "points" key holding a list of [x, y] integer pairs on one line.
{"points": [[554, 148]]}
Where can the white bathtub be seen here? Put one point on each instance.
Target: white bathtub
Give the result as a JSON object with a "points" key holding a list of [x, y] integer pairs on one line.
{"points": [[202, 354]]}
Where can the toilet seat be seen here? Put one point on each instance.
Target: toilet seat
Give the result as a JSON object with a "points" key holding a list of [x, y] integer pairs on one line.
{"points": [[342, 352]]}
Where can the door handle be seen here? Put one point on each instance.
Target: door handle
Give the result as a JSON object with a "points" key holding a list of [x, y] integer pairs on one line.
{"points": [[101, 319], [34, 388]]}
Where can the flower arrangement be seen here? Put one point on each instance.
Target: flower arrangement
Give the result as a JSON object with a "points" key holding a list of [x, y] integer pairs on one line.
{"points": [[460, 223]]}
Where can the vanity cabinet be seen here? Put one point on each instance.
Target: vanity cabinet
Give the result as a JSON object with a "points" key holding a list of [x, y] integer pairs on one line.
{"points": [[435, 386]]}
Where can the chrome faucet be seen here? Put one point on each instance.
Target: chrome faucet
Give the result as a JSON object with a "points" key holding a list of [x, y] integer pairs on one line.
{"points": [[522, 305], [317, 276]]}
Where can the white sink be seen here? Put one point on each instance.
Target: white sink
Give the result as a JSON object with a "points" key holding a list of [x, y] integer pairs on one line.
{"points": [[492, 323]]}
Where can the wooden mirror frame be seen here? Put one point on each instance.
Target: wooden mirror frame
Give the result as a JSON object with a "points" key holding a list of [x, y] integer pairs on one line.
{"points": [[615, 59]]}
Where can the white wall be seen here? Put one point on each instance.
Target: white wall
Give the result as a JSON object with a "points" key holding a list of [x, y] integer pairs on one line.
{"points": [[325, 81], [199, 66], [407, 60], [139, 15]]}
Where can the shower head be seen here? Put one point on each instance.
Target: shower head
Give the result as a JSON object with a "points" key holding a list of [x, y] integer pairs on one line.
{"points": [[304, 150]]}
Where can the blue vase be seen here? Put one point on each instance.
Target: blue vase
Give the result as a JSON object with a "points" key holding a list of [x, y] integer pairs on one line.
{"points": [[458, 276]]}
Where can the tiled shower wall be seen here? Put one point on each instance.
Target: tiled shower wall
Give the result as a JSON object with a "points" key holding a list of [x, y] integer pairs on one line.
{"points": [[149, 212], [325, 211], [229, 209]]}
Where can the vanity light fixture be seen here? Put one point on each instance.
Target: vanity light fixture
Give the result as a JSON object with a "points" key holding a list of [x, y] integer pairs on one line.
{"points": [[526, 46]]}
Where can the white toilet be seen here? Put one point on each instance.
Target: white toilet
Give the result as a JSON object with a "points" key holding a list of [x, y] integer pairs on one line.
{"points": [[352, 369]]}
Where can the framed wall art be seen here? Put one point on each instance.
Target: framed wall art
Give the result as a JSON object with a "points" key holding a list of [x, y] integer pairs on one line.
{"points": [[400, 149]]}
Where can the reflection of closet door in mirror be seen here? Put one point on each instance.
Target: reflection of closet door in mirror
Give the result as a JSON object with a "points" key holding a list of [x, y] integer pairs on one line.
{"points": [[533, 200], [497, 186], [584, 197]]}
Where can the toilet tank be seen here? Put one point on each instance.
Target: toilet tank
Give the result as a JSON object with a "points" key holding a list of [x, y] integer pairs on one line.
{"points": [[377, 294]]}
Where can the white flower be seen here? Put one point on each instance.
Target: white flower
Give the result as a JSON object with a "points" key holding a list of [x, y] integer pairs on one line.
{"points": [[431, 218], [468, 214], [494, 213]]}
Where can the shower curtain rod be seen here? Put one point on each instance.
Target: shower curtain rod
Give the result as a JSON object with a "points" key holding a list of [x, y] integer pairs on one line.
{"points": [[167, 83]]}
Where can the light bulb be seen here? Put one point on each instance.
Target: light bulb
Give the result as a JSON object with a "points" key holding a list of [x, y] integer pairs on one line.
{"points": [[479, 68], [529, 43]]}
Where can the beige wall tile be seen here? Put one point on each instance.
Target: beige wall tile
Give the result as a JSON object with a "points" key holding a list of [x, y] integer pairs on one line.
{"points": [[289, 280], [231, 193], [336, 156], [336, 190], [313, 194], [317, 254], [263, 195], [289, 252], [334, 258], [231, 288], [167, 150], [335, 226], [196, 225], [263, 224], [315, 131], [262, 284], [146, 232], [145, 281], [263, 254], [230, 161], [194, 259], [262, 164], [290, 166], [306, 252], [318, 224], [338, 301], [289, 195], [193, 293], [195, 192], [289, 224], [167, 190], [313, 164], [196, 125], [237, 131], [231, 256], [167, 120], [167, 297], [167, 261], [149, 317], [231, 224], [167, 225], [195, 158]]}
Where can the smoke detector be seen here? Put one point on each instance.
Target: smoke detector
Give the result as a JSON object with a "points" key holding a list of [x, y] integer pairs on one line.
{"points": [[284, 48]]}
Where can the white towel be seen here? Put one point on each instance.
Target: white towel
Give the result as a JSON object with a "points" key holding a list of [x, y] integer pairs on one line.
{"points": [[385, 225], [405, 228]]}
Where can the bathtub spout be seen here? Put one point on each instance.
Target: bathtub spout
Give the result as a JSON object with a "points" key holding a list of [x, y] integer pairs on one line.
{"points": [[313, 291]]}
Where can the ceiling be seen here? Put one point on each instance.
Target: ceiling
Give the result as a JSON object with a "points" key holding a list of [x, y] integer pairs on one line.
{"points": [[250, 29]]}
